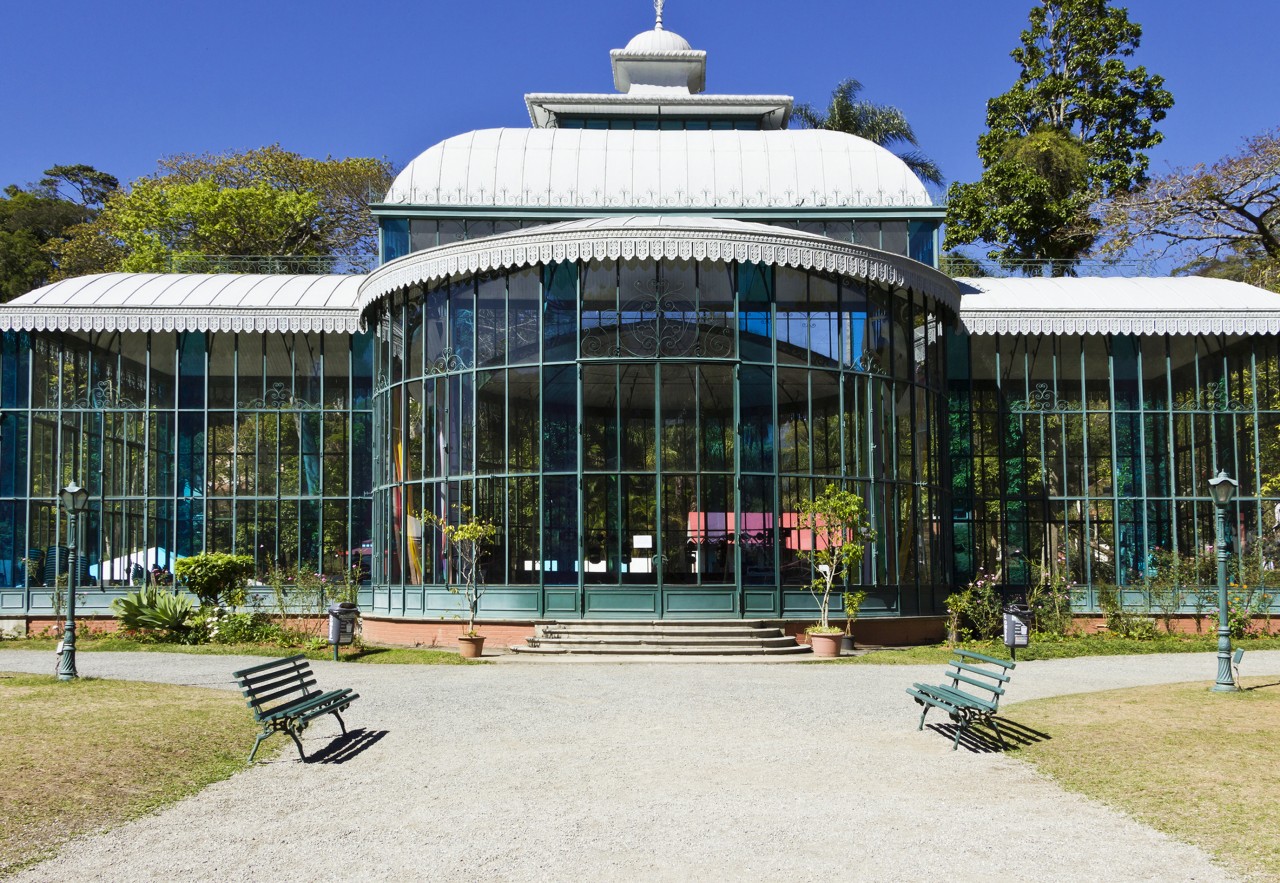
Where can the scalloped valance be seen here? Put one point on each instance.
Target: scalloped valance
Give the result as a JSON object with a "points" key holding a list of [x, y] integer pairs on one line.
{"points": [[81, 319], [627, 238], [1097, 322]]}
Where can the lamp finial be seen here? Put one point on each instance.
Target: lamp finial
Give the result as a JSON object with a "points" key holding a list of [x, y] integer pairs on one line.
{"points": [[657, 8]]}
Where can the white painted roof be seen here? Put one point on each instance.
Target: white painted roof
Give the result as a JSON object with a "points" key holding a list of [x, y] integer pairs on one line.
{"points": [[187, 302], [658, 40], [1144, 305], [510, 168]]}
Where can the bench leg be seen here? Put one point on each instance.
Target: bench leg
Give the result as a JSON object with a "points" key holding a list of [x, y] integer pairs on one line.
{"points": [[341, 723], [999, 735], [962, 724], [256, 744], [922, 714], [296, 741]]}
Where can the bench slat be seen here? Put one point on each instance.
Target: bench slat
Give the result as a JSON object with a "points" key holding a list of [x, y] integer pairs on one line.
{"points": [[981, 685], [963, 698], [986, 673], [275, 662], [293, 709], [261, 698], [265, 679], [1003, 663]]}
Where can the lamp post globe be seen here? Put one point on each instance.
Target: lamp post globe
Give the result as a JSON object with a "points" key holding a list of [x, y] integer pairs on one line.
{"points": [[75, 500], [1222, 489]]}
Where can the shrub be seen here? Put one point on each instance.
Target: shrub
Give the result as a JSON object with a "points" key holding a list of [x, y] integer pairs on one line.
{"points": [[215, 578], [975, 611], [151, 609], [1121, 622]]}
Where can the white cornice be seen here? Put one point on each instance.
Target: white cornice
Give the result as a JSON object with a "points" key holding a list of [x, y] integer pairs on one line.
{"points": [[119, 319], [1119, 322], [660, 237]]}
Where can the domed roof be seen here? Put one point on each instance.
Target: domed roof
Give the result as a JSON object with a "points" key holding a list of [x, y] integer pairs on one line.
{"points": [[658, 40], [620, 169]]}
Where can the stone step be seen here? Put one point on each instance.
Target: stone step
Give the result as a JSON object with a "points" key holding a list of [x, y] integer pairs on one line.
{"points": [[665, 641], [660, 650], [547, 631], [619, 637]]}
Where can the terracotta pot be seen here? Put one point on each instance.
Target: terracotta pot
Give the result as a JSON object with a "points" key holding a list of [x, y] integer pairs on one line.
{"points": [[470, 646], [826, 645]]}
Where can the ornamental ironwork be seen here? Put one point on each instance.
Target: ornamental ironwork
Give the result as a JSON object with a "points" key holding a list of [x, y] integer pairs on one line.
{"points": [[104, 395], [869, 363], [1213, 396], [278, 398], [447, 361], [659, 322], [1040, 399]]}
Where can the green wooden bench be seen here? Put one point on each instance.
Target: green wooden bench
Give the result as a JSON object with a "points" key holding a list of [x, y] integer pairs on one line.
{"points": [[967, 668], [283, 698]]}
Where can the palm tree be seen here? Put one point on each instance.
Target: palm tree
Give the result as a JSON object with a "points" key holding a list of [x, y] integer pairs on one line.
{"points": [[878, 123]]}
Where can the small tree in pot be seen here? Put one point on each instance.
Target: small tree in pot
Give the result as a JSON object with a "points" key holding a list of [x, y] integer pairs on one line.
{"points": [[465, 542], [834, 530]]}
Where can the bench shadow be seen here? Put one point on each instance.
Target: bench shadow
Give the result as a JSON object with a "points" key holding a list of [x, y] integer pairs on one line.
{"points": [[347, 746], [981, 739], [1259, 687]]}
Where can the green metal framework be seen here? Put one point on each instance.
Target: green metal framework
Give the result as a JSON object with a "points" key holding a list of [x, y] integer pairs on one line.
{"points": [[1086, 457], [642, 430]]}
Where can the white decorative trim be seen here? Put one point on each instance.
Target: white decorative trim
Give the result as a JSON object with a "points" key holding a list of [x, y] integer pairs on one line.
{"points": [[548, 245], [299, 319], [1100, 322]]}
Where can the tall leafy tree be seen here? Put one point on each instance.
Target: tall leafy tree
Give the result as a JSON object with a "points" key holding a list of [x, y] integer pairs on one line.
{"points": [[1074, 129], [880, 124], [35, 221], [1221, 219], [267, 201]]}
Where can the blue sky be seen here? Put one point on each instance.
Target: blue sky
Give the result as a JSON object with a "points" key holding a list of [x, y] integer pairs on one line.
{"points": [[120, 84]]}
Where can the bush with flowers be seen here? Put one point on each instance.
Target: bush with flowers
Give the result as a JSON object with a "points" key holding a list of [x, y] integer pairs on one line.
{"points": [[974, 612], [1244, 606]]}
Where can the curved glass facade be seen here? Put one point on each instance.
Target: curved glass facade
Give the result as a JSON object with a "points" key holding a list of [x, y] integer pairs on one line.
{"points": [[643, 430]]}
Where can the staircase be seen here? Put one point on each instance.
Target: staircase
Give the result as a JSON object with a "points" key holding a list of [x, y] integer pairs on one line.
{"points": [[659, 638]]}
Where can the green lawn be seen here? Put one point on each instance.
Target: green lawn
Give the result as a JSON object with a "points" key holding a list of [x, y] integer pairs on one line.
{"points": [[1198, 765], [1064, 648], [367, 654], [86, 755]]}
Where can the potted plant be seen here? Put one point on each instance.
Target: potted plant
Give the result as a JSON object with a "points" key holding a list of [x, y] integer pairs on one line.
{"points": [[837, 529], [465, 542], [852, 604]]}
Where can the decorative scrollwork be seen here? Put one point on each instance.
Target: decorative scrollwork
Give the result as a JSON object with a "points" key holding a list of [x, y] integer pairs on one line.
{"points": [[278, 398], [869, 363], [1039, 399], [104, 395], [659, 323], [1212, 397], [381, 382], [447, 361]]}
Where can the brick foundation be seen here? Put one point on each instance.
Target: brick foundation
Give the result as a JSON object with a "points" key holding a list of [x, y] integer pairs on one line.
{"points": [[48, 626], [908, 631], [444, 635]]}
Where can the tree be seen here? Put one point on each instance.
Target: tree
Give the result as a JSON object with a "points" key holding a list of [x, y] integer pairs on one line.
{"points": [[1218, 220], [35, 221], [466, 542], [268, 201], [878, 123], [835, 528], [1074, 128]]}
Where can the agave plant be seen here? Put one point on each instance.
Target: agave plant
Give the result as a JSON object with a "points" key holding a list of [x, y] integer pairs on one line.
{"points": [[153, 609]]}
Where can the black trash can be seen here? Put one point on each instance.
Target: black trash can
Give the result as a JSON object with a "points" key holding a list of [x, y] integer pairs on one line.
{"points": [[1017, 627], [342, 624]]}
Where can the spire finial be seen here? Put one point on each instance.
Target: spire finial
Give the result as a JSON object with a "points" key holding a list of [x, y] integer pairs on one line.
{"points": [[657, 8]]}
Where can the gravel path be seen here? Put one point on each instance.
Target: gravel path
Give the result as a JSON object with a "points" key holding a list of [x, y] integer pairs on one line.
{"points": [[635, 771]]}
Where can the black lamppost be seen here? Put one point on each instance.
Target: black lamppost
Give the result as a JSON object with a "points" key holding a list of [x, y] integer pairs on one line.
{"points": [[75, 500], [1222, 489]]}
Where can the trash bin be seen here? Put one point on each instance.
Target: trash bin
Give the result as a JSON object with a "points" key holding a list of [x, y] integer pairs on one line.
{"points": [[342, 624], [1017, 626]]}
